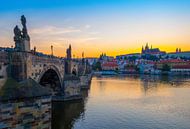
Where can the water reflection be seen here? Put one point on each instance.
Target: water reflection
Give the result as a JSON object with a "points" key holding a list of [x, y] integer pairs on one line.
{"points": [[137, 102], [119, 102], [65, 114]]}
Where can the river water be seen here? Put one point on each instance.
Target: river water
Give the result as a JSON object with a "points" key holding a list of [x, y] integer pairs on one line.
{"points": [[128, 102], [112, 102]]}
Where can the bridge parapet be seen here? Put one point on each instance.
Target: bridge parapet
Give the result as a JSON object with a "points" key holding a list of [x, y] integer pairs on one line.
{"points": [[39, 59], [26, 65], [42, 64]]}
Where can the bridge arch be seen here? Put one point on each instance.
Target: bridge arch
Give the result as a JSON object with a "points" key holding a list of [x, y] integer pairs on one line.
{"points": [[50, 77], [74, 71]]}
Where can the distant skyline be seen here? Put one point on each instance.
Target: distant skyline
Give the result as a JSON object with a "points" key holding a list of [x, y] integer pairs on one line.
{"points": [[114, 27]]}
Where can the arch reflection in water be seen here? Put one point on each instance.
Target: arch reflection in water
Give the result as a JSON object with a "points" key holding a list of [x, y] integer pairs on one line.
{"points": [[65, 114]]}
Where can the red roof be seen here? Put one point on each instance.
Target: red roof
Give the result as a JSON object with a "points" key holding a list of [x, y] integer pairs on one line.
{"points": [[181, 67], [110, 64], [151, 62], [171, 61]]}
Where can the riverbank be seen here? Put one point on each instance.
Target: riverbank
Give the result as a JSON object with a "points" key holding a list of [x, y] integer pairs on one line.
{"points": [[165, 73]]}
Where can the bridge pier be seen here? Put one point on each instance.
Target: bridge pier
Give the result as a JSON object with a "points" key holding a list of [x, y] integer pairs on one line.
{"points": [[85, 81], [72, 89]]}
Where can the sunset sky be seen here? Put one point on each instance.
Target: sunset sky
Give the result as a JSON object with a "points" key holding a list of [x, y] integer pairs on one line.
{"points": [[94, 26]]}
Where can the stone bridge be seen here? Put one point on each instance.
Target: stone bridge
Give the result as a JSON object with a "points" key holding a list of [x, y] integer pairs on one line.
{"points": [[62, 75], [46, 70]]}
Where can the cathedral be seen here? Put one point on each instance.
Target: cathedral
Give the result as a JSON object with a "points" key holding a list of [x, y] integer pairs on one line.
{"points": [[152, 51]]}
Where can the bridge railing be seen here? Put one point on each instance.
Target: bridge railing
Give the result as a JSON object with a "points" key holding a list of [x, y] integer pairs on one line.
{"points": [[4, 57], [39, 59]]}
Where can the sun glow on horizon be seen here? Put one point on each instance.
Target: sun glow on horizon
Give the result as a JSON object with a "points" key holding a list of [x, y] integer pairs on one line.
{"points": [[114, 27]]}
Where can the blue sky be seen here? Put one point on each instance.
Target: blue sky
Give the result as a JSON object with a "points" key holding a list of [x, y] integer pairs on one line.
{"points": [[95, 26]]}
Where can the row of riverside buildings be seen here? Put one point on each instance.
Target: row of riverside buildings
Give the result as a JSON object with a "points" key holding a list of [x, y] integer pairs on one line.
{"points": [[149, 61]]}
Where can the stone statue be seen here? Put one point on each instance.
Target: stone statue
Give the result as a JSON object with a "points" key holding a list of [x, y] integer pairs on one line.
{"points": [[23, 20], [17, 34], [17, 38], [21, 38], [69, 52], [24, 30]]}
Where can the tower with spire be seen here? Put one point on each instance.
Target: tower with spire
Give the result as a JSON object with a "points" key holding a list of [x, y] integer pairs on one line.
{"points": [[146, 47], [151, 50], [69, 52], [68, 60], [142, 51]]}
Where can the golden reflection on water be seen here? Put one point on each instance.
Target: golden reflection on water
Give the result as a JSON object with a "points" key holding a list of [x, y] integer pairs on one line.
{"points": [[129, 102], [148, 94], [130, 88]]}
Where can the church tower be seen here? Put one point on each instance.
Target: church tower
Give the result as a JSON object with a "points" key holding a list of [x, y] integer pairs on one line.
{"points": [[69, 52], [68, 61], [142, 51], [147, 47]]}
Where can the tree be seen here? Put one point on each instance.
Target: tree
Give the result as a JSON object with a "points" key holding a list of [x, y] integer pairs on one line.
{"points": [[166, 67], [97, 66], [137, 68]]}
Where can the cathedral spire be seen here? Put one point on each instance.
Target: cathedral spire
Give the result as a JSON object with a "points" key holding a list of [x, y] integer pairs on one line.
{"points": [[147, 47], [70, 46], [142, 49]]}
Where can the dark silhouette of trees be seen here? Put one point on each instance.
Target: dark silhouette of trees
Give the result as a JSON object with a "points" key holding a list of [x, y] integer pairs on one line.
{"points": [[97, 66], [166, 67]]}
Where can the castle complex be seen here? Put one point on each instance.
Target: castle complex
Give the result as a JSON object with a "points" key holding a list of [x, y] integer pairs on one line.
{"points": [[150, 50]]}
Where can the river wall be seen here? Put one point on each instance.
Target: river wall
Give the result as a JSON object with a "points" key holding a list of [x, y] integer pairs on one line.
{"points": [[27, 113]]}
